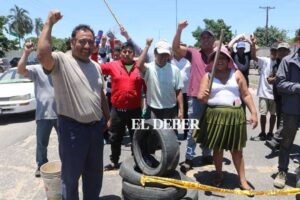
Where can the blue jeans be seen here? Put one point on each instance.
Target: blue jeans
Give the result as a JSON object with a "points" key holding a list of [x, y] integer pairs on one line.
{"points": [[81, 154], [288, 133], [195, 111], [43, 131]]}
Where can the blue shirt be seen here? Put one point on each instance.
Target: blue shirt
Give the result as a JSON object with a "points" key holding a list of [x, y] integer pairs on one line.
{"points": [[44, 93]]}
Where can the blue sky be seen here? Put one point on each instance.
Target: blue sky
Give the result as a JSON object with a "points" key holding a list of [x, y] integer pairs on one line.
{"points": [[157, 18]]}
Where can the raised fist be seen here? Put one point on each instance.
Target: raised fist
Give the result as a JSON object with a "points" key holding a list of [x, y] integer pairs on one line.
{"points": [[182, 24], [54, 16], [149, 41]]}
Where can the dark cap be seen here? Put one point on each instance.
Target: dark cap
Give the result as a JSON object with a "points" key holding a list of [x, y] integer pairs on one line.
{"points": [[207, 31], [127, 44]]}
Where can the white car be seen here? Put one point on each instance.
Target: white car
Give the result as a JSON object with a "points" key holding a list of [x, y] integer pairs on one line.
{"points": [[16, 93]]}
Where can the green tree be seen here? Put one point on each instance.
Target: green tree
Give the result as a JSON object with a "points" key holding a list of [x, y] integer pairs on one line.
{"points": [[274, 35], [19, 22], [297, 35], [38, 26], [5, 43], [215, 27], [59, 44]]}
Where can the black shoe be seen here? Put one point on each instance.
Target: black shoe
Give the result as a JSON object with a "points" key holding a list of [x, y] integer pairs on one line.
{"points": [[269, 136], [272, 144], [37, 173], [111, 166], [260, 137], [186, 166], [207, 160]]}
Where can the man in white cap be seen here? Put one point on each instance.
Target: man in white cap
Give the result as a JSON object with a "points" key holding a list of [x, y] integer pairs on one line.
{"points": [[164, 83]]}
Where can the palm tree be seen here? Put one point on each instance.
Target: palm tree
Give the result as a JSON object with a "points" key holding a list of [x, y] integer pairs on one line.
{"points": [[19, 22], [38, 24]]}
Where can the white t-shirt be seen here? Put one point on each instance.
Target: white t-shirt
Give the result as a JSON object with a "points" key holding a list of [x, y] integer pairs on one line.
{"points": [[185, 70], [265, 90]]}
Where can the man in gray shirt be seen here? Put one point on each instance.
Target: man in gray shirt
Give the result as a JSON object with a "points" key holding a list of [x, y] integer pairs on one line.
{"points": [[81, 107], [45, 115]]}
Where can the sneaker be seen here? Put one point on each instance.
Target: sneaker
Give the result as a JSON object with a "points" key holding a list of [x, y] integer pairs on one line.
{"points": [[186, 166], [260, 137], [280, 180], [37, 173], [270, 136], [296, 159], [207, 160]]}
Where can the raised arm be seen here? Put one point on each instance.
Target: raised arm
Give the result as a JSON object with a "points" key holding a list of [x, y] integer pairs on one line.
{"points": [[124, 33], [177, 48], [28, 48], [253, 48], [140, 63], [235, 40], [44, 49], [137, 48]]}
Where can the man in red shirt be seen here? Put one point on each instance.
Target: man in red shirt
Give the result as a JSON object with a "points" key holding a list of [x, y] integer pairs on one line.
{"points": [[126, 89]]}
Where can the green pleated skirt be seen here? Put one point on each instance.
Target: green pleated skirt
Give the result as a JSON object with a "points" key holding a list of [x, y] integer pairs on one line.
{"points": [[222, 128]]}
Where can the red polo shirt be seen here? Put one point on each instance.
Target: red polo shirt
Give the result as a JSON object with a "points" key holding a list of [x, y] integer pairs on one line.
{"points": [[126, 88]]}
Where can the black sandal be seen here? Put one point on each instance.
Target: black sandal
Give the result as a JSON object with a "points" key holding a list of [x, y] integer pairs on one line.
{"points": [[249, 189]]}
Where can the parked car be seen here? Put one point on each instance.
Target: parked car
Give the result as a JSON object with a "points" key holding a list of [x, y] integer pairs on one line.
{"points": [[16, 93], [4, 65]]}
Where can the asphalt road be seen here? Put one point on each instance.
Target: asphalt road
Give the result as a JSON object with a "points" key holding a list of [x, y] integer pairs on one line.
{"points": [[17, 163]]}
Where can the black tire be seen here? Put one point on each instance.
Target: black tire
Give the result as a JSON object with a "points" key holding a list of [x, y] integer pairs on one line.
{"points": [[190, 195], [132, 174], [135, 192], [168, 144]]}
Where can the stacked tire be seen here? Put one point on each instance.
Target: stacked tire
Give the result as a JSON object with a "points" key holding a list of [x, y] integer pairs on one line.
{"points": [[131, 170]]}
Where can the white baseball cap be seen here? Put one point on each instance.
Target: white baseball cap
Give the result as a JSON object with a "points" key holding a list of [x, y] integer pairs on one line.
{"points": [[162, 46]]}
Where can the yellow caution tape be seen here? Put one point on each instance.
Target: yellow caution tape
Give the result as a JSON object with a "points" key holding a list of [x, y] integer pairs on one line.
{"points": [[199, 186]]}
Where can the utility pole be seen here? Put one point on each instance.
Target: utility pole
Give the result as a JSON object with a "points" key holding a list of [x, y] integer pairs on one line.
{"points": [[267, 8], [176, 16]]}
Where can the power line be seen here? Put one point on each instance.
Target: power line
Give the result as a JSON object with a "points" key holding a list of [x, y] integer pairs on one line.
{"points": [[267, 8]]}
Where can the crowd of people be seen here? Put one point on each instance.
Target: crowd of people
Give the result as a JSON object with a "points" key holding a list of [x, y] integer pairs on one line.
{"points": [[92, 92]]}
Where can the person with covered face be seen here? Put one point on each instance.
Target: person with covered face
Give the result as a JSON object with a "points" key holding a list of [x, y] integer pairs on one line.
{"points": [[224, 123]]}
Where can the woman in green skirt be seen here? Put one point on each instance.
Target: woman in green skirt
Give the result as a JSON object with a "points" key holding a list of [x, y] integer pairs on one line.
{"points": [[223, 126]]}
